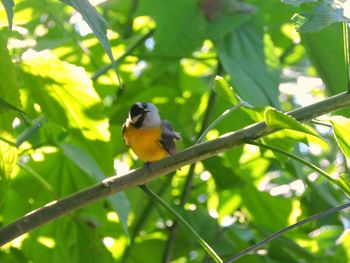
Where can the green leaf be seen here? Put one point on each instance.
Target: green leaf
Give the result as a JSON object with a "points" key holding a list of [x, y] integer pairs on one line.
{"points": [[341, 130], [84, 242], [8, 159], [97, 24], [211, 252], [8, 93], [298, 2], [66, 95], [83, 161], [325, 48], [265, 210], [277, 119], [228, 93], [344, 183], [243, 57], [9, 4], [321, 16], [174, 38], [119, 201], [224, 176]]}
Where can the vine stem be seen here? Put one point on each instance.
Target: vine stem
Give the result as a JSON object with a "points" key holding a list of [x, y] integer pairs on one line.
{"points": [[290, 155], [201, 241], [167, 255], [286, 229], [169, 164]]}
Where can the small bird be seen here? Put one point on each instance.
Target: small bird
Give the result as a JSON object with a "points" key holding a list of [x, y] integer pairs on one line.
{"points": [[147, 135]]}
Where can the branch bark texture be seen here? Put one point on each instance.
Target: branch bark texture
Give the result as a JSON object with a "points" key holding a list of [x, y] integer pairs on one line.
{"points": [[144, 175]]}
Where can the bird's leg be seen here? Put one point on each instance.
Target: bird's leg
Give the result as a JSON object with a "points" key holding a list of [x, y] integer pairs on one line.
{"points": [[147, 165]]}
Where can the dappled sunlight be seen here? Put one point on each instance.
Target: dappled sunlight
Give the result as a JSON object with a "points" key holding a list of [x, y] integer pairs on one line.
{"points": [[48, 242], [63, 103]]}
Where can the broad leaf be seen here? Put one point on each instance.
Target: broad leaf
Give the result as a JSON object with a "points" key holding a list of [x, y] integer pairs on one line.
{"points": [[224, 176], [119, 201], [341, 130], [322, 55], [77, 239], [66, 95], [277, 119], [174, 38], [8, 93], [321, 16], [8, 4], [228, 93], [243, 58], [344, 183]]}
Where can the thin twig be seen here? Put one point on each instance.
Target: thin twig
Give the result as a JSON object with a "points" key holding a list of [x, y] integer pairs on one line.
{"points": [[286, 229], [142, 219], [169, 164], [217, 120], [201, 241], [169, 247], [306, 163]]}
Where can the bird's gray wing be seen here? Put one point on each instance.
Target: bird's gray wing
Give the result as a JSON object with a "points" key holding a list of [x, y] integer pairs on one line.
{"points": [[123, 131], [168, 137]]}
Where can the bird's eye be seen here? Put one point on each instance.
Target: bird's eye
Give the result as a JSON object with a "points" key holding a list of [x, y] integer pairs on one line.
{"points": [[144, 105]]}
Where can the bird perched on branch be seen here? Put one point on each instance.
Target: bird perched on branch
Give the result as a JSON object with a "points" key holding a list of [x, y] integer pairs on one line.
{"points": [[147, 135]]}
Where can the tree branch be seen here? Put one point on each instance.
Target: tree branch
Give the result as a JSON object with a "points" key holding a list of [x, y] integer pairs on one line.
{"points": [[141, 176]]}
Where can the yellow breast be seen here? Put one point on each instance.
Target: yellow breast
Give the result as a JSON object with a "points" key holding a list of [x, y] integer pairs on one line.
{"points": [[145, 143]]}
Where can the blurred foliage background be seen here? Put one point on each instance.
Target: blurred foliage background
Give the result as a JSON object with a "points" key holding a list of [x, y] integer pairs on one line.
{"points": [[168, 52]]}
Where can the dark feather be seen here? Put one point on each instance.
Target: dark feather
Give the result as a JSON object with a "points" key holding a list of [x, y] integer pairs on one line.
{"points": [[168, 137], [123, 131]]}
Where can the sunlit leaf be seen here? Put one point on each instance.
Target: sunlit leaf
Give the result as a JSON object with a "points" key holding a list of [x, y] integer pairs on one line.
{"points": [[119, 201], [341, 130], [66, 95], [344, 183], [277, 119], [8, 93], [9, 4]]}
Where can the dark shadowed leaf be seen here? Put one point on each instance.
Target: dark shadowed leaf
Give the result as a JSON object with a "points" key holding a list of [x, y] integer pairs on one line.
{"points": [[119, 201], [321, 16], [242, 56]]}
